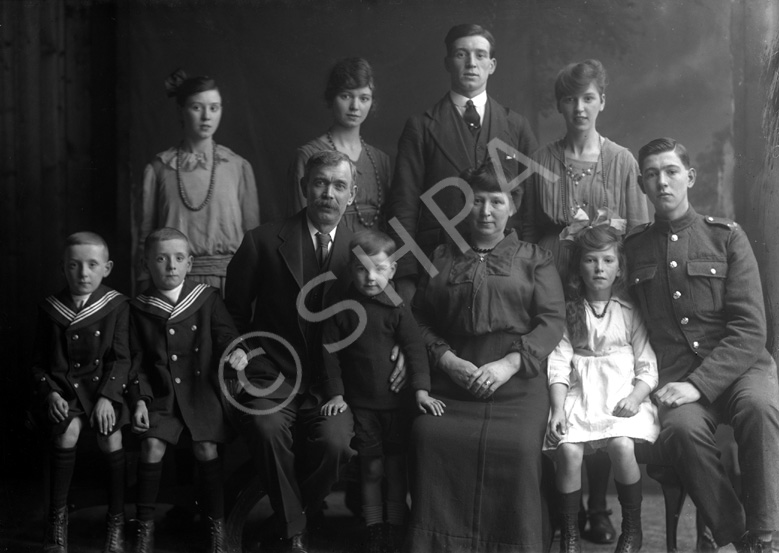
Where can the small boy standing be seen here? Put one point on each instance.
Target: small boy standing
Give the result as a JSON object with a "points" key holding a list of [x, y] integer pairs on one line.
{"points": [[178, 331], [80, 367], [359, 377]]}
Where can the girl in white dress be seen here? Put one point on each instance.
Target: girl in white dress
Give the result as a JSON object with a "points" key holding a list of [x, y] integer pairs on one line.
{"points": [[600, 378]]}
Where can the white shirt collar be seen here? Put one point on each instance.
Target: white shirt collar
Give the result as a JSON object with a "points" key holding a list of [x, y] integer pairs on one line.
{"points": [[173, 295], [80, 301], [479, 101], [312, 230]]}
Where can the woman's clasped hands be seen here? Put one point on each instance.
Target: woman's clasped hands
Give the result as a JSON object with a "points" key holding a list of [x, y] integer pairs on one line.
{"points": [[482, 381]]}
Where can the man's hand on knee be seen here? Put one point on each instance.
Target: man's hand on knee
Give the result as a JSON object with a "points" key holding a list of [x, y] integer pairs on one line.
{"points": [[675, 394]]}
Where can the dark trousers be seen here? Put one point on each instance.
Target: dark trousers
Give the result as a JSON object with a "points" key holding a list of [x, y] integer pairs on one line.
{"points": [[751, 406], [298, 453]]}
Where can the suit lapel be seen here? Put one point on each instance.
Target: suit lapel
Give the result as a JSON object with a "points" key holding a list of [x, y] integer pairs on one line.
{"points": [[499, 123], [444, 133], [293, 239]]}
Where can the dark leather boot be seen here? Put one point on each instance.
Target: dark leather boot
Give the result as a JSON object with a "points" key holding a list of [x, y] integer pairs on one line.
{"points": [[216, 530], [569, 533], [631, 538], [55, 540], [145, 538], [749, 544], [114, 537]]}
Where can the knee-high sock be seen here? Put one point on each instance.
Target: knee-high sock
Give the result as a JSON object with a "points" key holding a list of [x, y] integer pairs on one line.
{"points": [[570, 503], [212, 488], [149, 476], [629, 495], [115, 461], [63, 460]]}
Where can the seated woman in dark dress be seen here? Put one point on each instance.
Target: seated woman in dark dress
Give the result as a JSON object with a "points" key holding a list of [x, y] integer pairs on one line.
{"points": [[490, 317]]}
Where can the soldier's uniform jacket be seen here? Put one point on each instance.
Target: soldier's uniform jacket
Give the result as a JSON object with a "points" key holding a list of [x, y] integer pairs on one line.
{"points": [[82, 354], [175, 355], [697, 283]]}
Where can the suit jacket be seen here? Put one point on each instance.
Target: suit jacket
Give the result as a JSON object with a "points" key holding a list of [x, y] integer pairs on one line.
{"points": [[431, 149], [264, 279], [175, 354], [83, 355]]}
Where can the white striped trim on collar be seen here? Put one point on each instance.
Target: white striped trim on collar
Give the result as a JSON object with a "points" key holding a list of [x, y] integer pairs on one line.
{"points": [[180, 307], [73, 317]]}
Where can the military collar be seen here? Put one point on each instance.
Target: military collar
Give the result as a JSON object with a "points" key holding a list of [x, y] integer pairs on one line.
{"points": [[60, 307], [664, 226]]}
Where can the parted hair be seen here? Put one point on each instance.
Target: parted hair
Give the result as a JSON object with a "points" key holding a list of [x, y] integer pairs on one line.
{"points": [[348, 74], [574, 78], [660, 145], [327, 158], [86, 238], [372, 242], [589, 239], [161, 235], [468, 29]]}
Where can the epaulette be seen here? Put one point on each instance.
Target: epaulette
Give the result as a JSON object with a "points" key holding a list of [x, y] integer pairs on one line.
{"points": [[638, 230], [719, 221]]}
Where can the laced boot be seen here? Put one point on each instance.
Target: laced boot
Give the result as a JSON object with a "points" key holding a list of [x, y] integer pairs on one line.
{"points": [[569, 533], [631, 538], [145, 538], [114, 537], [55, 539], [216, 529]]}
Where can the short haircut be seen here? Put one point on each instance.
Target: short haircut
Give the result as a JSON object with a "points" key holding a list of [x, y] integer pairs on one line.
{"points": [[372, 242], [182, 87], [86, 238], [660, 145], [574, 78], [162, 235], [348, 74], [327, 158], [468, 29]]}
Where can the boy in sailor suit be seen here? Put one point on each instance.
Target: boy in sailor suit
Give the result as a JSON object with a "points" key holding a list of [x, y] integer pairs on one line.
{"points": [[80, 367], [178, 331]]}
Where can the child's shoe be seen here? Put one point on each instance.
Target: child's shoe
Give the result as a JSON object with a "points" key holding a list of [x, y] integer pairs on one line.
{"points": [[216, 530], [114, 537], [569, 533], [145, 538], [55, 539], [632, 536]]}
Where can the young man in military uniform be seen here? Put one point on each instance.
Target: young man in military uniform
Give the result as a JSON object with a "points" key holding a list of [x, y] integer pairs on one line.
{"points": [[698, 286]]}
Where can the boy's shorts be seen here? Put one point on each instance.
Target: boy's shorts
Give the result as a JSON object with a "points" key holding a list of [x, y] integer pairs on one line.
{"points": [[378, 433]]}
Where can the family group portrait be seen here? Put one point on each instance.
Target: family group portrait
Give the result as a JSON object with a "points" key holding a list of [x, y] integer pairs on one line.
{"points": [[389, 276]]}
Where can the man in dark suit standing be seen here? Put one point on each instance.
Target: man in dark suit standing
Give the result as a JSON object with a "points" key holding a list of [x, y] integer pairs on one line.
{"points": [[281, 392], [449, 138]]}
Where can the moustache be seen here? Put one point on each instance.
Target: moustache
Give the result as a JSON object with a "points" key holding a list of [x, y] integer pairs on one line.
{"points": [[328, 204]]}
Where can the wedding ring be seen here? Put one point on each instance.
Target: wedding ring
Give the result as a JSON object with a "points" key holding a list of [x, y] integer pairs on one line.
{"points": [[487, 382]]}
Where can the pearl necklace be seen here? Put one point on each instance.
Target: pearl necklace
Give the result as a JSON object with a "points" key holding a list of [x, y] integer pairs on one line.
{"points": [[576, 178], [378, 183], [183, 193], [602, 313]]}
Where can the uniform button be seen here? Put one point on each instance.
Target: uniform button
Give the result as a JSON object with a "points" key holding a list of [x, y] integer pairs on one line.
{"points": [[638, 280], [197, 349], [124, 385], [97, 362], [76, 365], [113, 378], [197, 373], [172, 331], [177, 380], [135, 381], [685, 320], [75, 385], [709, 219], [677, 295], [97, 333], [695, 344], [194, 328], [674, 238], [43, 379], [713, 271], [75, 337], [673, 264], [95, 378], [174, 357]]}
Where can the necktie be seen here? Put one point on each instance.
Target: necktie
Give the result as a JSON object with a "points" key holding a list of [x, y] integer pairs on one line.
{"points": [[471, 117], [324, 240]]}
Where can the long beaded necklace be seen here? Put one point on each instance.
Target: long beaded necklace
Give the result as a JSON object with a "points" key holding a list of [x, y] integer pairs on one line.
{"points": [[575, 178], [365, 148], [183, 193], [602, 313]]}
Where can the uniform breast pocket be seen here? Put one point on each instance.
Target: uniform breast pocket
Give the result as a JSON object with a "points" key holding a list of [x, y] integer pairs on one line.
{"points": [[641, 281], [707, 283]]}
